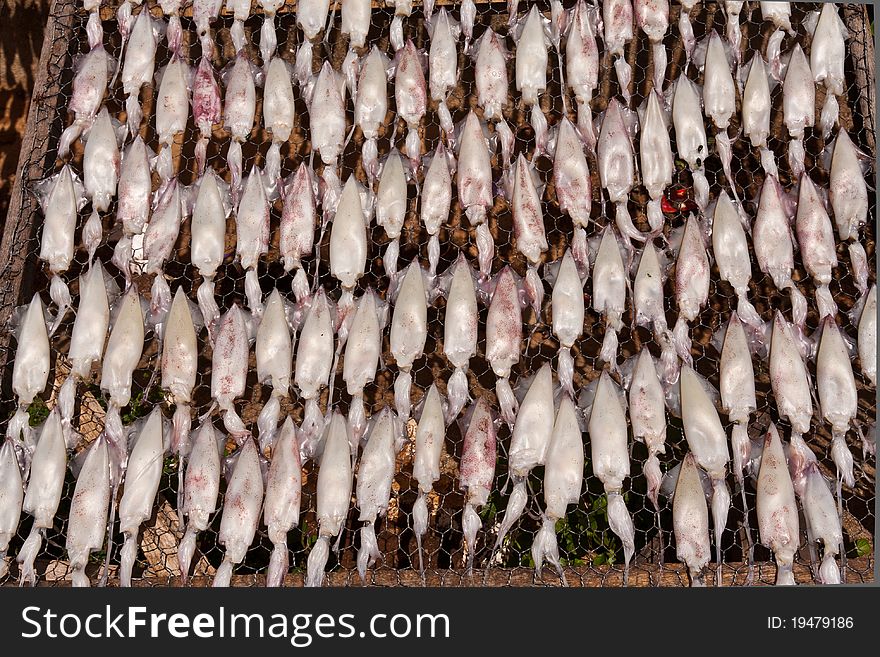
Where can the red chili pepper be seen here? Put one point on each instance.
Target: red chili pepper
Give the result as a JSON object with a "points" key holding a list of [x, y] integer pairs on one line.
{"points": [[667, 207]]}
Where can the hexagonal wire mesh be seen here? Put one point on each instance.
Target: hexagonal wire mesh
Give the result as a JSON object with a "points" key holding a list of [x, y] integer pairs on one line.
{"points": [[591, 551]]}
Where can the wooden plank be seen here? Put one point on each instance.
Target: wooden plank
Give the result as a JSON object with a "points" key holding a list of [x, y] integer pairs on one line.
{"points": [[861, 48]]}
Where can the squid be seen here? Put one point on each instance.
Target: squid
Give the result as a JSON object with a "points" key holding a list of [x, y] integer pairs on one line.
{"points": [[200, 491], [391, 206], [610, 460], [558, 24], [732, 28], [648, 301], [138, 66], [739, 402], [477, 471], [779, 13], [691, 285], [252, 235], [690, 521], [207, 107], [335, 475], [242, 503], [299, 213], [61, 197], [327, 122], [410, 96], [708, 442], [100, 176], [402, 8], [43, 494], [719, 101], [867, 337], [274, 352], [430, 434], [374, 478], [617, 166], [314, 358], [133, 206], [281, 508], [563, 482], [278, 114], [474, 186], [582, 65], [174, 33], [656, 159], [311, 16], [143, 472], [468, 14], [504, 335], [208, 242], [815, 237], [356, 16], [652, 17], [30, 370], [348, 250], [240, 10], [529, 440], [205, 12], [567, 310], [370, 107], [798, 106], [647, 412], [435, 201], [571, 181], [160, 234], [11, 498], [230, 367], [268, 38], [777, 510], [686, 29], [490, 77], [460, 331], [124, 22], [756, 106], [528, 228], [789, 377], [617, 17], [443, 65], [409, 330], [87, 522], [238, 113], [512, 11], [690, 135], [827, 59], [172, 109], [362, 352], [532, 44], [609, 293]]}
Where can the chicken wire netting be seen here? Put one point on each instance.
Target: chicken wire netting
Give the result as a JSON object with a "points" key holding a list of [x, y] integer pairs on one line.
{"points": [[591, 552]]}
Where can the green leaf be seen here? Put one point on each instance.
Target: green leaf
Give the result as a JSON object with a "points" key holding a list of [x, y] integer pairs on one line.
{"points": [[37, 412], [863, 547]]}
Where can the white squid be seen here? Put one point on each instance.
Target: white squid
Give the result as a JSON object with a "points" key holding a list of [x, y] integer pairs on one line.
{"points": [[409, 330], [281, 508], [490, 77], [477, 471], [100, 176], [582, 65], [443, 65], [528, 227], [362, 352], [652, 16], [274, 351], [208, 241], [867, 337], [138, 66], [777, 509], [11, 498], [647, 412], [430, 435], [617, 16], [411, 99], [207, 109], [435, 201], [571, 181], [355, 23], [252, 235], [230, 367], [567, 311], [474, 186], [327, 123], [133, 206], [690, 521], [798, 106], [299, 215], [690, 135], [172, 109], [719, 100], [656, 159], [609, 293], [461, 322], [87, 522], [650, 311], [504, 333], [827, 60], [756, 107], [532, 44], [371, 107], [314, 359], [391, 206], [279, 114], [311, 16], [239, 110], [815, 237]]}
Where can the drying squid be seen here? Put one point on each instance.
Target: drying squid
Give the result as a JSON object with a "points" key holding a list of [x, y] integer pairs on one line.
{"points": [[274, 351], [648, 301], [708, 443], [240, 10], [827, 58], [410, 96], [61, 196], [558, 25], [208, 241], [504, 337], [571, 180], [656, 159], [374, 478], [798, 106], [201, 488], [133, 201], [609, 293], [617, 166], [174, 31], [311, 16], [490, 77], [756, 106], [278, 114], [789, 377], [690, 521], [160, 234], [582, 65], [691, 285], [732, 28], [529, 440], [43, 495], [402, 8], [815, 237], [848, 193], [238, 113], [867, 337], [143, 472], [100, 176], [532, 44], [777, 509], [430, 434], [528, 228], [647, 412], [283, 498], [468, 13], [567, 311], [512, 11], [230, 368], [327, 123], [362, 351], [138, 66], [87, 522], [348, 248], [242, 503], [314, 358], [89, 86], [686, 29], [206, 106], [779, 13], [334, 495], [268, 38], [474, 185], [617, 17], [356, 16], [30, 370], [443, 65], [460, 331], [610, 460], [205, 12], [123, 21], [690, 135], [11, 497], [409, 330], [477, 471], [252, 235], [391, 206], [652, 16], [719, 101], [370, 107], [563, 481], [299, 214], [435, 200], [172, 109]]}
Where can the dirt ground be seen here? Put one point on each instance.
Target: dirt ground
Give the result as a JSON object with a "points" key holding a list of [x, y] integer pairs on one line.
{"points": [[22, 23]]}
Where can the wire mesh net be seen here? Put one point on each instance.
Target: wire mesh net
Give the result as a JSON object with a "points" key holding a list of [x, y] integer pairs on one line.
{"points": [[588, 548]]}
